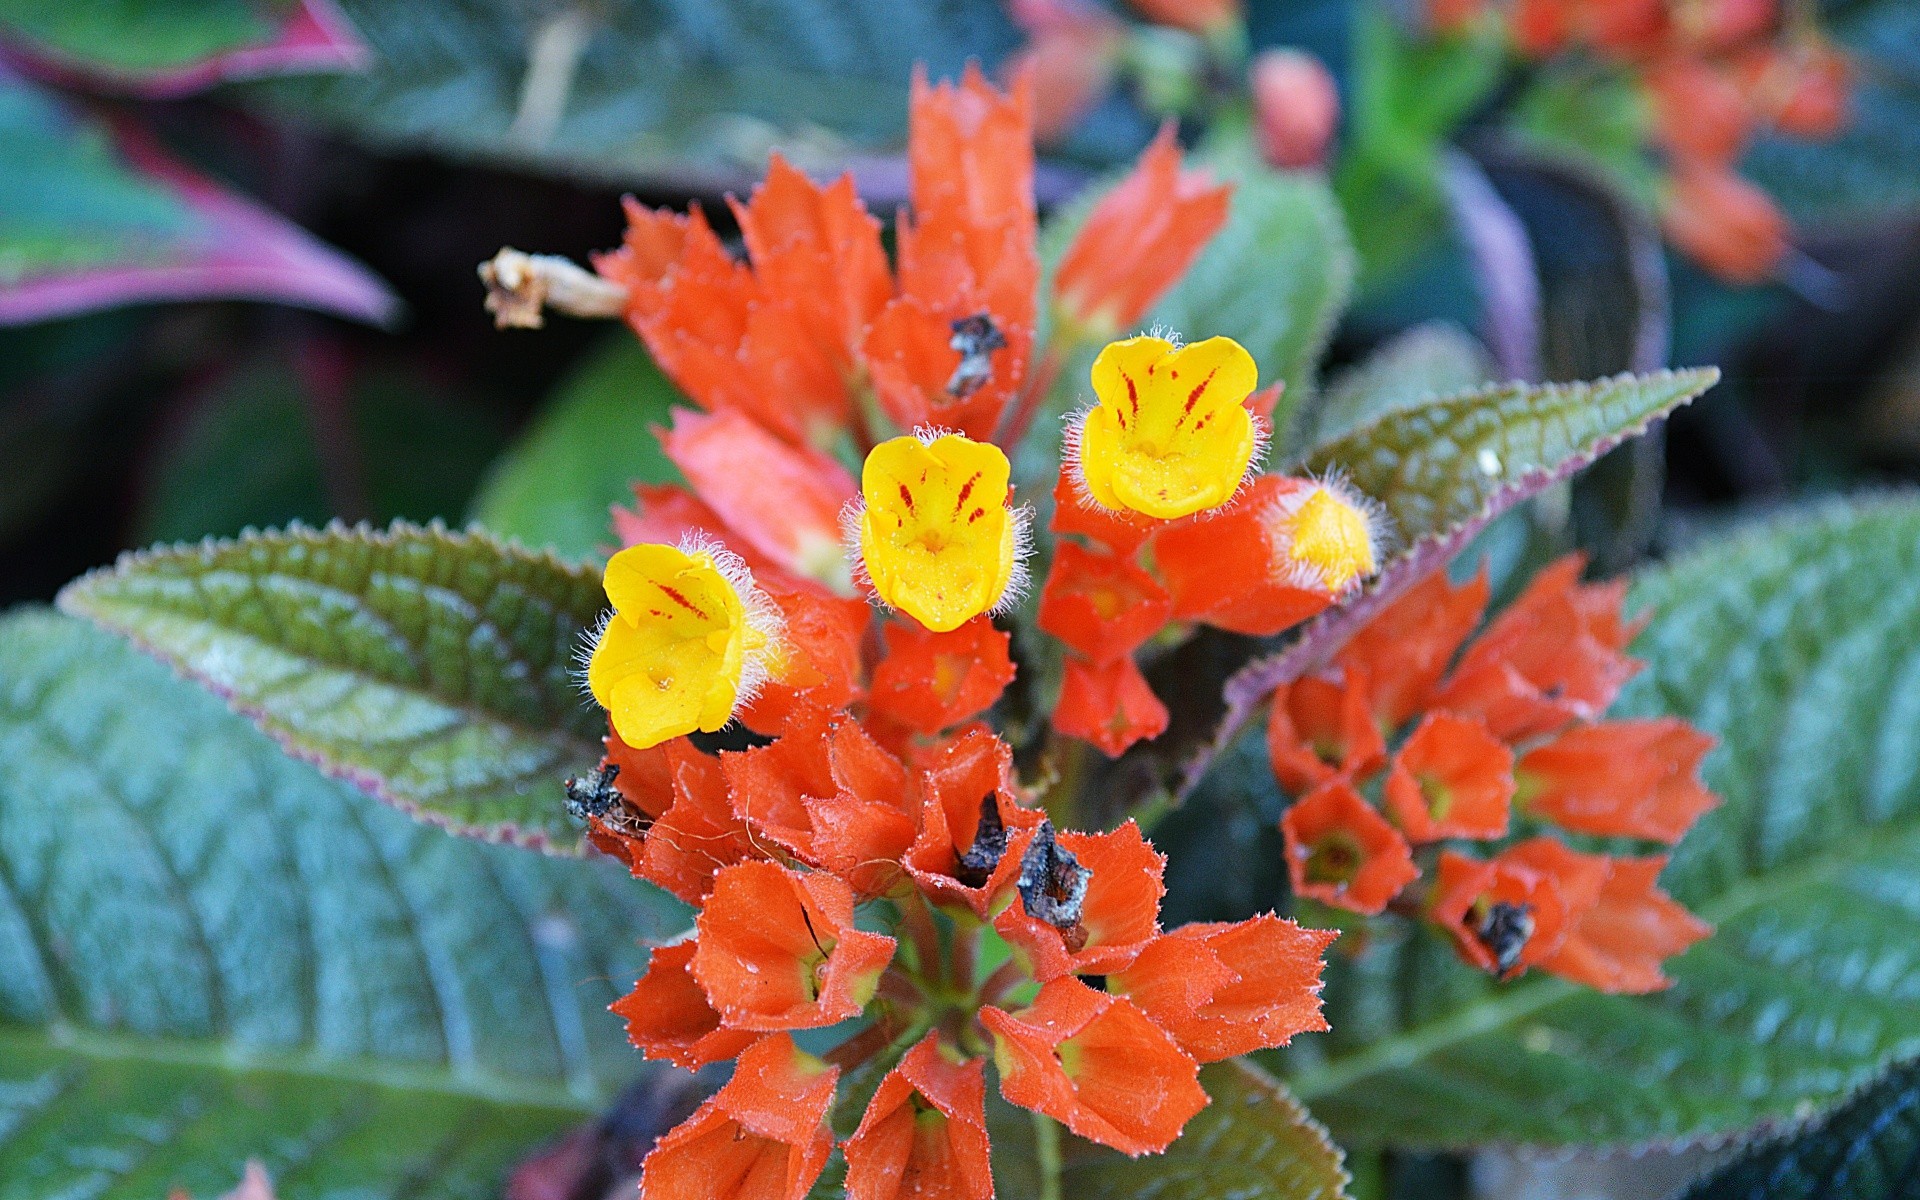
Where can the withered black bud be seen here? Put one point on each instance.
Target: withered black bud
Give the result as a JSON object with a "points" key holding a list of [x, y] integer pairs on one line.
{"points": [[989, 845], [594, 796], [976, 338], [1504, 930], [1054, 885]]}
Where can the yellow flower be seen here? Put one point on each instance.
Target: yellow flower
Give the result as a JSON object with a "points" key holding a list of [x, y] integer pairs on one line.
{"points": [[1325, 534], [690, 640], [1169, 435], [935, 533]]}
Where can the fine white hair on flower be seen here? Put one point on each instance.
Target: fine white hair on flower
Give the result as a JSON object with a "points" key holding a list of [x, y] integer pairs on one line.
{"points": [[853, 515], [1165, 333], [761, 614], [1022, 577], [1075, 431], [1281, 510], [927, 435], [583, 651]]}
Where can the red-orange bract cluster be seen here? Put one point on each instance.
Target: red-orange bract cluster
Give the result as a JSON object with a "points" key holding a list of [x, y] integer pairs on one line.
{"points": [[1043, 950], [1508, 727], [1715, 72]]}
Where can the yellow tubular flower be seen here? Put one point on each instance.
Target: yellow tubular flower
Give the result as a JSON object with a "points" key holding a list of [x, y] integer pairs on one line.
{"points": [[935, 533], [690, 640], [1169, 436]]}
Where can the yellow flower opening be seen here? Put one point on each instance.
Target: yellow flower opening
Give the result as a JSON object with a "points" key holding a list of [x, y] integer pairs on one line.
{"points": [[1169, 435], [1327, 536], [690, 640], [935, 533]]}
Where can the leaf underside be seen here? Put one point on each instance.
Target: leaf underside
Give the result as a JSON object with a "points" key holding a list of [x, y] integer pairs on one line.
{"points": [[1799, 647], [209, 952], [432, 668]]}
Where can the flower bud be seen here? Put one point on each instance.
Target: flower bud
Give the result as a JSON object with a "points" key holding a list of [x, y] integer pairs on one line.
{"points": [[1296, 105]]}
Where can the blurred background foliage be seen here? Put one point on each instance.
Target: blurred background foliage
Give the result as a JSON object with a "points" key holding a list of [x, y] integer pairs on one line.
{"points": [[237, 243]]}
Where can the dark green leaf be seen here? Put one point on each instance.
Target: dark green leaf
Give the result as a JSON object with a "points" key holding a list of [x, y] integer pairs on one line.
{"points": [[1254, 1140], [141, 35], [585, 450], [209, 952], [430, 667], [692, 93], [1798, 646], [1867, 1149]]}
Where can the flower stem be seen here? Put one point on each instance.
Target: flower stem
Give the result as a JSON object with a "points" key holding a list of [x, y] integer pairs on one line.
{"points": [[1046, 1152]]}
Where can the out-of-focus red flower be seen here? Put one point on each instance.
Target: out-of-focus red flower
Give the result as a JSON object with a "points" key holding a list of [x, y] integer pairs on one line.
{"points": [[1138, 240], [668, 1016], [1096, 1064], [1101, 604], [1265, 987], [1804, 89], [1342, 852], [778, 950], [1618, 943], [924, 1135], [1109, 704], [933, 681], [1451, 16], [967, 251], [1700, 110], [1296, 107], [1321, 727], [1513, 911], [1716, 26], [1726, 224], [1553, 656], [1451, 779], [782, 500], [761, 1137], [1406, 650], [1620, 779], [1195, 16], [1073, 51]]}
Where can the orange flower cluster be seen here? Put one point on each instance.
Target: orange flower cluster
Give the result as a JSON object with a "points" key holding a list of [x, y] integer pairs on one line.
{"points": [[1004, 938], [1715, 73], [1456, 744]]}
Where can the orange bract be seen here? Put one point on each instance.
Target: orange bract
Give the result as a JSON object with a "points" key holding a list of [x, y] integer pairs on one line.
{"points": [[970, 797], [1138, 240], [1096, 1064], [1620, 778], [1110, 705], [1230, 567], [1270, 989], [924, 1135], [1726, 224], [1451, 779], [761, 1137], [933, 681], [1618, 943], [778, 950], [1319, 728], [669, 1017], [1340, 851], [1406, 649], [1101, 604]]}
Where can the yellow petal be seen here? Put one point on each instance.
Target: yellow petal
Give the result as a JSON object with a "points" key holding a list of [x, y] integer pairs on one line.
{"points": [[936, 536], [1170, 435]]}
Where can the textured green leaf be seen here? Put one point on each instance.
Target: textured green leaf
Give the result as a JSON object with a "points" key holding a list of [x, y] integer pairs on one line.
{"points": [[432, 668], [586, 449], [695, 93], [1275, 279], [209, 952], [1254, 1140], [1867, 1149], [1872, 169], [1798, 646], [1425, 362], [1439, 466]]}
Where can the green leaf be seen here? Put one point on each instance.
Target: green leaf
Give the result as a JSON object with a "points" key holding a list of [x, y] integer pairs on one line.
{"points": [[693, 95], [1425, 362], [1275, 279], [1255, 1139], [430, 667], [249, 453], [586, 449], [1865, 1150], [1435, 468], [209, 952], [1798, 646], [1871, 171], [141, 35]]}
